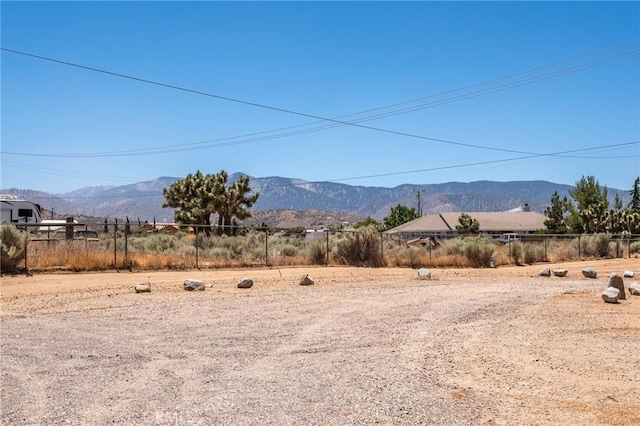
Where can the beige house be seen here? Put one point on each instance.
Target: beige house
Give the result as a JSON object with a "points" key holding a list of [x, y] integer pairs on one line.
{"points": [[443, 225]]}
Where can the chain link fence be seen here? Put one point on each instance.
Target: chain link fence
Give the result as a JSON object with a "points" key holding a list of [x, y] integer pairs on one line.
{"points": [[108, 246]]}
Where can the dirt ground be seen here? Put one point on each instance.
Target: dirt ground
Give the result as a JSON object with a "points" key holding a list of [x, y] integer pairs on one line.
{"points": [[361, 346]]}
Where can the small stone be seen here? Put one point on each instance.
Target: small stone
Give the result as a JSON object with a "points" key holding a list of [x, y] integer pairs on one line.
{"points": [[546, 272], [560, 272], [628, 274], [143, 287], [306, 280], [590, 273], [611, 295], [191, 284], [616, 281], [424, 274], [245, 283], [634, 288]]}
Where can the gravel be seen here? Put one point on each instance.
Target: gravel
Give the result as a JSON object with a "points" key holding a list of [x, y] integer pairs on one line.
{"points": [[360, 347]]}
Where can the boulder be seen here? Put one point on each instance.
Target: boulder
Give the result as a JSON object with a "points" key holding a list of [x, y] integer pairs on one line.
{"points": [[546, 272], [143, 287], [590, 273], [245, 283], [424, 274], [306, 280], [560, 272], [634, 288], [191, 284], [615, 281], [611, 295], [627, 274]]}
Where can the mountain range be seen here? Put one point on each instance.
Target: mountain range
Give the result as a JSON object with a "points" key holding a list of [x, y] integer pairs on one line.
{"points": [[144, 200]]}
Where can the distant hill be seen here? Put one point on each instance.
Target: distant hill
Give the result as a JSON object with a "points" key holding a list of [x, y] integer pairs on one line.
{"points": [[281, 196]]}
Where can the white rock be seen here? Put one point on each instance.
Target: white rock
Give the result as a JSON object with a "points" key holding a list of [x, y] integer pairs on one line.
{"points": [[560, 272], [634, 288], [306, 280], [143, 287], [616, 281], [628, 274], [611, 295], [590, 273], [424, 273]]}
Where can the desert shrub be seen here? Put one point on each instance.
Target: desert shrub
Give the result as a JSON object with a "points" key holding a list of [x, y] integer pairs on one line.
{"points": [[159, 243], [533, 253], [359, 249], [563, 250], [635, 247], [288, 250], [478, 251], [13, 247], [316, 253], [515, 252], [595, 246]]}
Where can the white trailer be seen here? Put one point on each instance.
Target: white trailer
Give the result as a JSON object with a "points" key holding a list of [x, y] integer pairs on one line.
{"points": [[16, 210]]}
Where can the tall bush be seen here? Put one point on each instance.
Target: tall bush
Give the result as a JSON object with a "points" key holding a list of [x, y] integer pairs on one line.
{"points": [[13, 247], [360, 249]]}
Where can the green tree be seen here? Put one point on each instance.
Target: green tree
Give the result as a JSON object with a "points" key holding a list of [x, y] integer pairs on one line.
{"points": [[400, 214], [369, 221], [634, 204], [467, 224], [592, 204], [557, 211], [198, 196], [234, 201]]}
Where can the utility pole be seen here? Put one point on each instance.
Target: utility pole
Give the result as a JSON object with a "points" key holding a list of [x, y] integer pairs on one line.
{"points": [[419, 206]]}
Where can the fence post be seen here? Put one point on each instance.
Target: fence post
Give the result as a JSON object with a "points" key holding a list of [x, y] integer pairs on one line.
{"points": [[327, 240], [196, 231], [579, 249], [26, 250], [381, 248], [266, 246], [115, 246]]}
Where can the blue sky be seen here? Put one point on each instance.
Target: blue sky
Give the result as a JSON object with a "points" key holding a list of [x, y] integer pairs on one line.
{"points": [[434, 91]]}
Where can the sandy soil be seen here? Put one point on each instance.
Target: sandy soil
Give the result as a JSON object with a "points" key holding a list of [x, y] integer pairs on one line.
{"points": [[361, 346]]}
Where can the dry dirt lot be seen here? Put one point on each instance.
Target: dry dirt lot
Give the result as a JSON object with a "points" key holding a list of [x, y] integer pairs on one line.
{"points": [[362, 346]]}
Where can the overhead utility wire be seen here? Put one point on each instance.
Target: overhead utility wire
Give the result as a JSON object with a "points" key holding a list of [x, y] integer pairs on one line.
{"points": [[185, 147], [170, 147], [454, 166], [252, 104]]}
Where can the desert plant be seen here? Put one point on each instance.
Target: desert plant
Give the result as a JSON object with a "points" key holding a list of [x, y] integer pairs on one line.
{"points": [[478, 251], [316, 253], [13, 247], [533, 253], [595, 246], [359, 249]]}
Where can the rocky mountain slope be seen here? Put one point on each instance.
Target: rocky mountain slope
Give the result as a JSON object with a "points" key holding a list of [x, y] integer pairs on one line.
{"points": [[144, 200]]}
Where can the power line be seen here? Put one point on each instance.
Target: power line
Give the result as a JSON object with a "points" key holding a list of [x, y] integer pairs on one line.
{"points": [[335, 121], [439, 168]]}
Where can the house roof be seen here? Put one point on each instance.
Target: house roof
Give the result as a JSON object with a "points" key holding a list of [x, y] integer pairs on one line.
{"points": [[519, 221]]}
